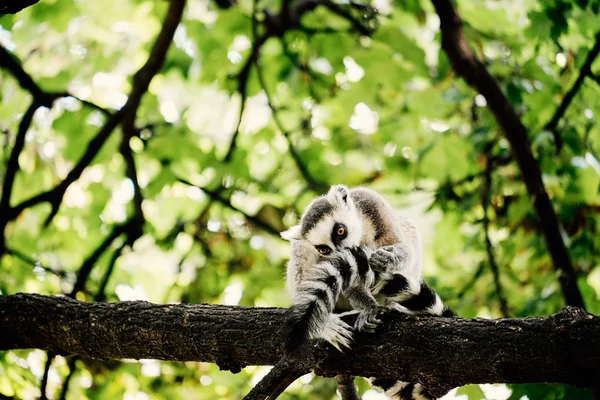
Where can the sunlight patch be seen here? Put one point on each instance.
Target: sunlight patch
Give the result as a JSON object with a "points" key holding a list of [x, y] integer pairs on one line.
{"points": [[364, 120]]}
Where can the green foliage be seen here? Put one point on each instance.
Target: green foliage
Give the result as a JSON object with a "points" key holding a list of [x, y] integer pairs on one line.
{"points": [[385, 111]]}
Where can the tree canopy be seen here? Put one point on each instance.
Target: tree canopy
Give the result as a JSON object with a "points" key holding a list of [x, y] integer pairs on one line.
{"points": [[153, 150]]}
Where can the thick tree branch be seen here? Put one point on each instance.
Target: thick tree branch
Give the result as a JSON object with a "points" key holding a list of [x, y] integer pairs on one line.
{"points": [[473, 71], [438, 352]]}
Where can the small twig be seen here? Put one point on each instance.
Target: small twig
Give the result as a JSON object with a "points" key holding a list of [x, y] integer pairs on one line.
{"points": [[586, 70], [347, 388], [88, 264], [129, 132], [461, 293], [342, 12], [44, 383], [313, 183], [242, 78], [101, 293], [485, 201], [10, 62], [12, 168], [72, 365], [216, 196], [35, 263]]}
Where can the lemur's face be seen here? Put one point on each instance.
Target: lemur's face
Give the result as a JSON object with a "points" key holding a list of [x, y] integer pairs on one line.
{"points": [[330, 223]]}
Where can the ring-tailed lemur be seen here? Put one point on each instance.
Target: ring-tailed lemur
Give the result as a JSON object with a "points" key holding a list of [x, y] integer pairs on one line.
{"points": [[351, 251]]}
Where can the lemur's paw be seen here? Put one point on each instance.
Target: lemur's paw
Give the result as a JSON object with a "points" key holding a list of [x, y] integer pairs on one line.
{"points": [[367, 320], [383, 258], [336, 332]]}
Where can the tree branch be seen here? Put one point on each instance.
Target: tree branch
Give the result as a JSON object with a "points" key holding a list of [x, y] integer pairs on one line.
{"points": [[288, 19], [586, 70], [313, 183], [12, 167], [489, 247], [14, 6], [283, 374], [473, 71], [439, 352], [347, 388], [141, 81], [218, 197]]}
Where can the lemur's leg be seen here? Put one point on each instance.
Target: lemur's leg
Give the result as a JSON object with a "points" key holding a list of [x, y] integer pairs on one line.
{"points": [[311, 317]]}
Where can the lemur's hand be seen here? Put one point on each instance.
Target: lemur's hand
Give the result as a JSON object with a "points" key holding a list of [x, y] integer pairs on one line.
{"points": [[384, 258], [336, 332]]}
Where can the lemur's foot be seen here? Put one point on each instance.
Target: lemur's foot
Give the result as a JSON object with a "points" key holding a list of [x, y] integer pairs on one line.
{"points": [[367, 320]]}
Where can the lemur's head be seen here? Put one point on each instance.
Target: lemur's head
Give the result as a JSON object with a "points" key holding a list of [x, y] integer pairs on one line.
{"points": [[330, 223]]}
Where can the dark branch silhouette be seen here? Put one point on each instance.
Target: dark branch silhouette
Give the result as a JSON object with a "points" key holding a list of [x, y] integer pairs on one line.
{"points": [[586, 71], [14, 6], [489, 247], [475, 74], [141, 81]]}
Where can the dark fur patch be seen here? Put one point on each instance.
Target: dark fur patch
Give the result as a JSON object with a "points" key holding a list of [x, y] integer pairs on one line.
{"points": [[448, 313], [425, 298], [383, 383], [345, 271], [406, 393], [318, 209], [361, 261], [395, 286], [369, 207], [331, 281], [295, 328], [322, 295], [344, 192]]}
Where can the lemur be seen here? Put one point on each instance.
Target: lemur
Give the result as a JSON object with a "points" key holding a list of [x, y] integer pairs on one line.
{"points": [[351, 251]]}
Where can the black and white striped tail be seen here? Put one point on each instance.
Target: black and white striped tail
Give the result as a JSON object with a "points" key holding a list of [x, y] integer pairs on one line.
{"points": [[397, 390], [410, 297]]}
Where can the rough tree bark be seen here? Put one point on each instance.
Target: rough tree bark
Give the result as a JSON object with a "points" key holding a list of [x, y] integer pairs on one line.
{"points": [[439, 352]]}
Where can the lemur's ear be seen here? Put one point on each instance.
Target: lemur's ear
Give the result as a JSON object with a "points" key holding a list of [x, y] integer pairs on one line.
{"points": [[338, 195], [294, 233]]}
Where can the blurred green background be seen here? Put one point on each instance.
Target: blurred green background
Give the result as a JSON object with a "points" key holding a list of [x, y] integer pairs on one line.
{"points": [[359, 97]]}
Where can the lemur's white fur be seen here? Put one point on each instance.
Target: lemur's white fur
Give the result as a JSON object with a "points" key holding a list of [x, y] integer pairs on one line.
{"points": [[376, 260]]}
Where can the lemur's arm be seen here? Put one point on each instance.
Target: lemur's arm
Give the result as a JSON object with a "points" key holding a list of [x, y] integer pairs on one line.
{"points": [[357, 290], [311, 316]]}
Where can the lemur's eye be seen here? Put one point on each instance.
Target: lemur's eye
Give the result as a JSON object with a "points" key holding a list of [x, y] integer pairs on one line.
{"points": [[341, 230], [323, 249]]}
